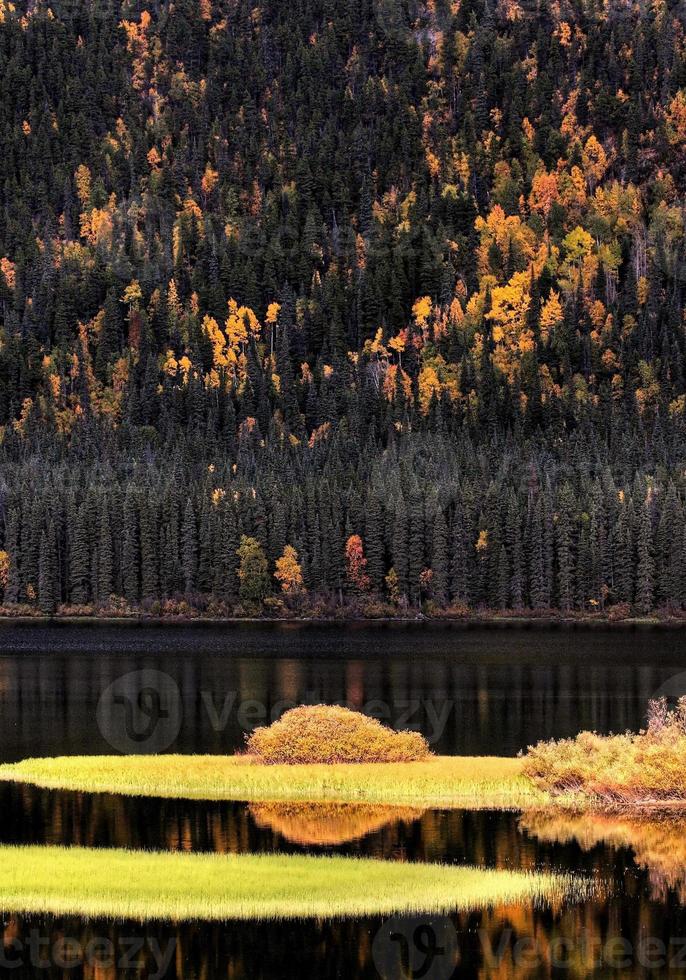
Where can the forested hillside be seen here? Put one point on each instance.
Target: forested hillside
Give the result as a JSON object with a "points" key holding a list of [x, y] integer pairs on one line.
{"points": [[373, 302]]}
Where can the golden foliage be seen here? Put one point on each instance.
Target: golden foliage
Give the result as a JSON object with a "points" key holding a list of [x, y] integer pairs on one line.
{"points": [[356, 564], [613, 769], [594, 160], [676, 119], [8, 270], [481, 545], [83, 184], [289, 571], [544, 192], [551, 314], [332, 734], [421, 311], [511, 333], [209, 180], [507, 236]]}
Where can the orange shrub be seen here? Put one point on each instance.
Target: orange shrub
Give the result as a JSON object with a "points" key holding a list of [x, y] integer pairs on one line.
{"points": [[647, 767], [327, 733]]}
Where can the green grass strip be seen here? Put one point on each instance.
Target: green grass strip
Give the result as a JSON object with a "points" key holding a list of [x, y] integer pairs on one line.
{"points": [[142, 885], [478, 782]]}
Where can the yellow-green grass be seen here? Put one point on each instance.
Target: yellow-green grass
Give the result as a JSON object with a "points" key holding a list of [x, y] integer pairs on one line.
{"points": [[484, 782], [142, 885]]}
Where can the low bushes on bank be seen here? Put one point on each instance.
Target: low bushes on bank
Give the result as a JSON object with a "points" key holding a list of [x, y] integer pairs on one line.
{"points": [[649, 766], [328, 733]]}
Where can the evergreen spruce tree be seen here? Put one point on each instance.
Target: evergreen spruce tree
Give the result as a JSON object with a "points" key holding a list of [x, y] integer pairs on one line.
{"points": [[189, 538], [439, 563], [105, 554], [131, 549], [645, 568], [374, 542], [80, 558], [47, 575]]}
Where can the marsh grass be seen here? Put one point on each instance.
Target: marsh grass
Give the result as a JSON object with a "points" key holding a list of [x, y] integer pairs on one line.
{"points": [[161, 886], [473, 782]]}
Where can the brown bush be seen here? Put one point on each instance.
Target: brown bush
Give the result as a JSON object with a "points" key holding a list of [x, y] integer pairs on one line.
{"points": [[331, 734], [647, 767]]}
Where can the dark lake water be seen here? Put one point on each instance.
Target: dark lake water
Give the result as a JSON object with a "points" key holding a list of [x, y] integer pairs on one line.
{"points": [[471, 691]]}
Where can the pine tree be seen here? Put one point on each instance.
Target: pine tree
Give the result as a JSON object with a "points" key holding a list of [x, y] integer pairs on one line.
{"points": [[131, 550], [645, 568], [189, 539], [80, 558], [105, 554], [374, 542], [400, 548], [416, 547], [439, 564], [47, 574]]}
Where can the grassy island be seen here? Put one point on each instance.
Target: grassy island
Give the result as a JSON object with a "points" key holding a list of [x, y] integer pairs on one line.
{"points": [[143, 885], [478, 782], [590, 771]]}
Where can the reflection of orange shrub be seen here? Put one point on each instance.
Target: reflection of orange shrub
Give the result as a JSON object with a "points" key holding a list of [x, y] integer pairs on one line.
{"points": [[328, 733], [328, 824], [658, 843]]}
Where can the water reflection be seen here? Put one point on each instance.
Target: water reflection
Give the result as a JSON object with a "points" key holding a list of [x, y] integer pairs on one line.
{"points": [[479, 691], [471, 691], [598, 846], [600, 939], [658, 844], [328, 824]]}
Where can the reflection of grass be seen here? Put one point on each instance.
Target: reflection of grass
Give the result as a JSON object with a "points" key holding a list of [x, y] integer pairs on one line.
{"points": [[328, 824], [480, 782], [659, 843], [143, 885]]}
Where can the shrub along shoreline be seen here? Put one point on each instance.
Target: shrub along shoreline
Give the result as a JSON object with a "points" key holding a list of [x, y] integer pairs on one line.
{"points": [[329, 754]]}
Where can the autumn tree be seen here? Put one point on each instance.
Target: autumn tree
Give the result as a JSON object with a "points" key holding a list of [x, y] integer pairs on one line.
{"points": [[356, 564], [289, 572]]}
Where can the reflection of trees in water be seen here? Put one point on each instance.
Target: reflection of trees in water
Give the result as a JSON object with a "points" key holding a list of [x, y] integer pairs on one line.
{"points": [[658, 843], [328, 824], [33, 815], [503, 943]]}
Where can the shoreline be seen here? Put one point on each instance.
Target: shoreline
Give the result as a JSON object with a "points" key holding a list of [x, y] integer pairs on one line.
{"points": [[481, 621], [441, 782]]}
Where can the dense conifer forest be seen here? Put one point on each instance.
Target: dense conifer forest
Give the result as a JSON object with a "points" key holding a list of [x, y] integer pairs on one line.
{"points": [[375, 304]]}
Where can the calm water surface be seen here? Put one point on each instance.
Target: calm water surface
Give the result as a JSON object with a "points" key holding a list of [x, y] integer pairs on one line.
{"points": [[470, 690]]}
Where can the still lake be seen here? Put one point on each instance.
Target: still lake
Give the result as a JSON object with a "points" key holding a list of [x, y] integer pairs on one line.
{"points": [[470, 690]]}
